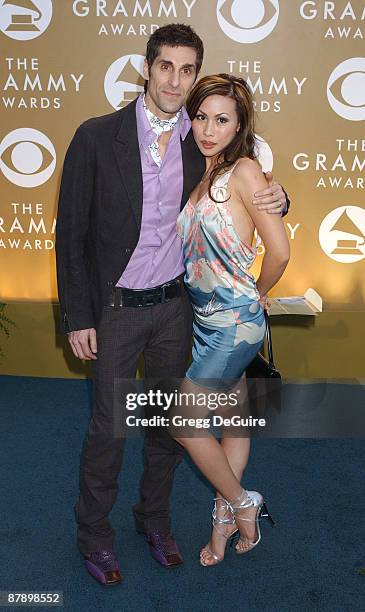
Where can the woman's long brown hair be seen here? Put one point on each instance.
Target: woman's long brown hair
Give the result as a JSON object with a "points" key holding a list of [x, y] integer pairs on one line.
{"points": [[243, 144]]}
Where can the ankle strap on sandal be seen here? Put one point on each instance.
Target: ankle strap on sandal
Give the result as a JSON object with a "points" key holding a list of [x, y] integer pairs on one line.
{"points": [[225, 506], [241, 502]]}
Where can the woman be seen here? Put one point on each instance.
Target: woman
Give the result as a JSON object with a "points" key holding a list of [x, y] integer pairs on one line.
{"points": [[217, 228]]}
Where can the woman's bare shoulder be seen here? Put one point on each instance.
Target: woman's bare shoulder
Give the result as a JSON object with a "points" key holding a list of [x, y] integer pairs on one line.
{"points": [[247, 168], [248, 177]]}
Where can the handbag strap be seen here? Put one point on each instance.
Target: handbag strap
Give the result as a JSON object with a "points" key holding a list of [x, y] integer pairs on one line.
{"points": [[269, 340]]}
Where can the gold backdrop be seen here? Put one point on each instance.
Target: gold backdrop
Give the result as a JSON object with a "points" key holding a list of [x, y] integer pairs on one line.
{"points": [[63, 61]]}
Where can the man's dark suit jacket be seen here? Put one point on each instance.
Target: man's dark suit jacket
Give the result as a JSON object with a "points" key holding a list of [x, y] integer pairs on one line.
{"points": [[100, 211]]}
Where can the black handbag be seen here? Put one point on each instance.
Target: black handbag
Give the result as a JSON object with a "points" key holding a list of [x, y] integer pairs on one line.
{"points": [[264, 380]]}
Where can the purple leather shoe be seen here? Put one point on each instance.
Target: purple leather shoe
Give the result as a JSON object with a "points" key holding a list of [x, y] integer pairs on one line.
{"points": [[103, 566], [164, 549]]}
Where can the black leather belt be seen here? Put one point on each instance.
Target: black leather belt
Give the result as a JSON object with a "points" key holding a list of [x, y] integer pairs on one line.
{"points": [[120, 296]]}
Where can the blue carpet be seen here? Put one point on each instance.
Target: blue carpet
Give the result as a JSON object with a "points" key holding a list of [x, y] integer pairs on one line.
{"points": [[315, 490]]}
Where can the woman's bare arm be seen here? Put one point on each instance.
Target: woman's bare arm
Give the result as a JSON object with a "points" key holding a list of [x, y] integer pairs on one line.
{"points": [[248, 180]]}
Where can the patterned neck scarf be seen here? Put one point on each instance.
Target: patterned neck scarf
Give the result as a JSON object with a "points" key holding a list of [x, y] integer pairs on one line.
{"points": [[159, 126]]}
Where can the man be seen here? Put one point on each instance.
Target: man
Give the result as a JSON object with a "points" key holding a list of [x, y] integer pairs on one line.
{"points": [[119, 262]]}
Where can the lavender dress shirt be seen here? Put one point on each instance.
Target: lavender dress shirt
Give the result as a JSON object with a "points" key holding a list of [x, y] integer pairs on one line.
{"points": [[158, 256]]}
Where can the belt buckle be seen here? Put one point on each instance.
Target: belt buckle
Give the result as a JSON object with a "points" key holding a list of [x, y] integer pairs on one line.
{"points": [[149, 301]]}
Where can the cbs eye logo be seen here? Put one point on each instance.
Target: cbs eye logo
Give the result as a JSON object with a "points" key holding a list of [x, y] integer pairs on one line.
{"points": [[25, 19], [347, 81], [253, 20], [124, 80], [27, 157]]}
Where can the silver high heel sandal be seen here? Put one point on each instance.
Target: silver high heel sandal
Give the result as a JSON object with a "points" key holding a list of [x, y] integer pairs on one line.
{"points": [[229, 520], [251, 499]]}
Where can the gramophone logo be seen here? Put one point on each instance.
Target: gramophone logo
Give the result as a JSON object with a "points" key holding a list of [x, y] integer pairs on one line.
{"points": [[124, 80], [247, 21], [342, 234], [25, 19]]}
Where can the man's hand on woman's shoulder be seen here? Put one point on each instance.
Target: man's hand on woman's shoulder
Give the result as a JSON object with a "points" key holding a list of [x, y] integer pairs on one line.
{"points": [[273, 198]]}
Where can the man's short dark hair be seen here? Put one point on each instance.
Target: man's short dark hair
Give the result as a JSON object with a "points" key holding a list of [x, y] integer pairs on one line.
{"points": [[174, 35]]}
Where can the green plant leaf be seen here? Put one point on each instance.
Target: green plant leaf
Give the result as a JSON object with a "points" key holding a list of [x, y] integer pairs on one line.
{"points": [[4, 322]]}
